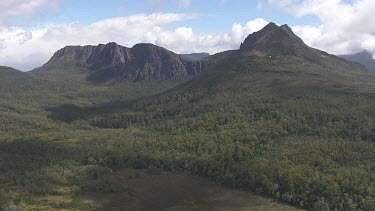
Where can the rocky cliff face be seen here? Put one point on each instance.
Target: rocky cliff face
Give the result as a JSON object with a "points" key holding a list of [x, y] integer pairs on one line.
{"points": [[141, 62]]}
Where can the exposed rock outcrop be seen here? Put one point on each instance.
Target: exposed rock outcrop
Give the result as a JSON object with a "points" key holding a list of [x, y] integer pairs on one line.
{"points": [[139, 63]]}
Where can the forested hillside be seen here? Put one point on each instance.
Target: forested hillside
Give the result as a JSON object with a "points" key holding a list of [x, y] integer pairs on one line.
{"points": [[256, 125]]}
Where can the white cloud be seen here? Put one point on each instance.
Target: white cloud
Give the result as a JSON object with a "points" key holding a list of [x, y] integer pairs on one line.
{"points": [[12, 11], [26, 48], [345, 27], [309, 34]]}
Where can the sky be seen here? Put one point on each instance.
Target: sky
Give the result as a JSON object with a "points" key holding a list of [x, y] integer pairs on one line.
{"points": [[32, 30]]}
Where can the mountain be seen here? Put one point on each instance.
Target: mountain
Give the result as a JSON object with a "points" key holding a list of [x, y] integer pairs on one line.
{"points": [[13, 79], [273, 41], [142, 62], [8, 72], [195, 56], [364, 58], [276, 54]]}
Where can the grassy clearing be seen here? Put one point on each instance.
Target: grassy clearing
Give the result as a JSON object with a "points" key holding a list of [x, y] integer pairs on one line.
{"points": [[156, 190]]}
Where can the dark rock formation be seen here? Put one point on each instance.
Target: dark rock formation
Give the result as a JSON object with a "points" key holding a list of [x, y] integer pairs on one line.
{"points": [[139, 63]]}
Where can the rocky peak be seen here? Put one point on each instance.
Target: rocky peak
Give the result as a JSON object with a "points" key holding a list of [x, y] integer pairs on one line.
{"points": [[273, 40], [365, 54]]}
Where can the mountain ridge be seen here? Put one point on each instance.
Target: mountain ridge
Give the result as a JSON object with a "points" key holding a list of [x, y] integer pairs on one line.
{"points": [[365, 58], [145, 62], [142, 62]]}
